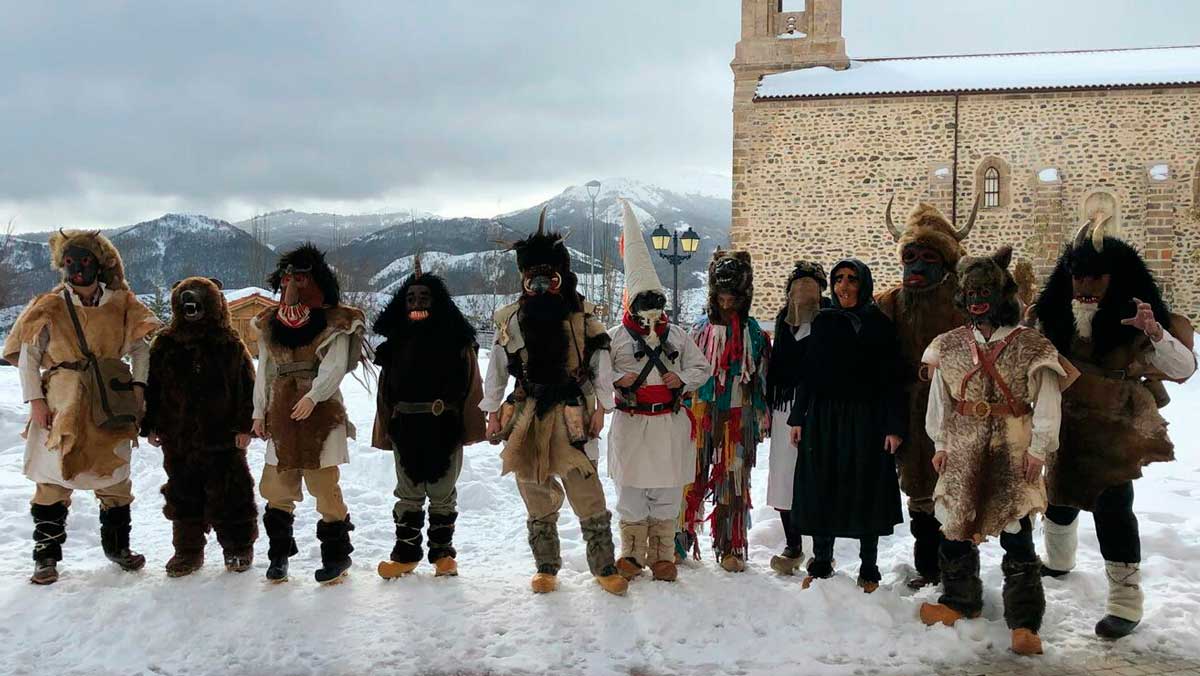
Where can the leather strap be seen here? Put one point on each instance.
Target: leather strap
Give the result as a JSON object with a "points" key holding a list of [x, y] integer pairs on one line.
{"points": [[292, 368], [984, 409], [435, 407], [986, 362]]}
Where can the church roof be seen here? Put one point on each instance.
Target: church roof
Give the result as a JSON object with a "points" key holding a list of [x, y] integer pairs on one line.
{"points": [[1038, 71]]}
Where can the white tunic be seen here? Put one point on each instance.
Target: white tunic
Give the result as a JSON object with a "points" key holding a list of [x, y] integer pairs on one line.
{"points": [[44, 465], [334, 354], [654, 451], [781, 472]]}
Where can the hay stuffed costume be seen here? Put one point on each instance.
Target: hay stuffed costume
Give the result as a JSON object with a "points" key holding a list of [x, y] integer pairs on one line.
{"points": [[993, 416], [651, 455], [922, 307], [558, 352], [730, 410], [307, 345], [1111, 425], [793, 324], [427, 409], [80, 447], [199, 406]]}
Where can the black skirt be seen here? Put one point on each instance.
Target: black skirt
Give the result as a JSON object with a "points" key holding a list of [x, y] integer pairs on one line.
{"points": [[846, 483]]}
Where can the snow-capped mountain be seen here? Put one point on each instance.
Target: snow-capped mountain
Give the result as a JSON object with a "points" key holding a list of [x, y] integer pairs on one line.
{"points": [[160, 252], [288, 228]]}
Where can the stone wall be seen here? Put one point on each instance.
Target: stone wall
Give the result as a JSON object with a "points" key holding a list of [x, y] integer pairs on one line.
{"points": [[812, 177]]}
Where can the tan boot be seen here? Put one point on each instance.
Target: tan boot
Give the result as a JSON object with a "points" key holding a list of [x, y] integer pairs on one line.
{"points": [[733, 563], [1025, 642], [786, 565], [445, 567], [543, 583], [628, 568], [390, 570], [634, 541], [934, 613], [613, 584], [664, 571]]}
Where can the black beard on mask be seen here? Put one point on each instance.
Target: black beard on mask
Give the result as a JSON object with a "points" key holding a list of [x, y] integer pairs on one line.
{"points": [[288, 337], [541, 318]]}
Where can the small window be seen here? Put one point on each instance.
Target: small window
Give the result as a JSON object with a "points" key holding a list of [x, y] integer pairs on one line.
{"points": [[991, 187]]}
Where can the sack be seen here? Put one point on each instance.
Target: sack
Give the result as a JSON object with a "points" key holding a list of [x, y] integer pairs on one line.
{"points": [[110, 386], [109, 383]]}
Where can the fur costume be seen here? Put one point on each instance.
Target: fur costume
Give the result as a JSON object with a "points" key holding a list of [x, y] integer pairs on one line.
{"points": [[199, 397], [1111, 424], [730, 409]]}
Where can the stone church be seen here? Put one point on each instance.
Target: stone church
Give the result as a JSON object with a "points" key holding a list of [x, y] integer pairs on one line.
{"points": [[821, 142]]}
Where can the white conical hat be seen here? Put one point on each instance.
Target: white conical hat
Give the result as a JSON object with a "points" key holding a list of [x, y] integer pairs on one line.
{"points": [[639, 269]]}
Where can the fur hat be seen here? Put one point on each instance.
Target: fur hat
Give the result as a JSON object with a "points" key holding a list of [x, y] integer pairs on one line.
{"points": [[928, 227], [112, 269], [805, 268], [730, 272], [543, 248], [639, 269]]}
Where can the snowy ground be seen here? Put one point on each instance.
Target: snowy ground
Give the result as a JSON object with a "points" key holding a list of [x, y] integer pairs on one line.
{"points": [[98, 620]]}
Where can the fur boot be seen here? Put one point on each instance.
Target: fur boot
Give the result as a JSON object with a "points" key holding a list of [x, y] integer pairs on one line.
{"points": [[962, 590], [49, 532], [1061, 542], [237, 543], [660, 550], [597, 533], [335, 549], [441, 543], [406, 553], [187, 536], [1024, 600], [635, 537], [114, 538], [1125, 600], [927, 533], [278, 525]]}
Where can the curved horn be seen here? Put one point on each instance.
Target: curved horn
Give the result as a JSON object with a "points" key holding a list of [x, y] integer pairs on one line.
{"points": [[1098, 234], [966, 229], [542, 222], [887, 218], [1081, 235], [417, 272]]}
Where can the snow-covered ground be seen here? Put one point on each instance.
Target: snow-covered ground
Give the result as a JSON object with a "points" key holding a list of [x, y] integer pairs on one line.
{"points": [[98, 620]]}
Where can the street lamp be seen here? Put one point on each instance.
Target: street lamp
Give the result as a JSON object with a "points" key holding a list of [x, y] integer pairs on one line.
{"points": [[689, 241], [593, 189]]}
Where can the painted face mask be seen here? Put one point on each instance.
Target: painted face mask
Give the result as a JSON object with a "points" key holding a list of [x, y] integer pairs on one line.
{"points": [[987, 290], [417, 300], [803, 301], [923, 267], [648, 308], [300, 295], [80, 266], [541, 279]]}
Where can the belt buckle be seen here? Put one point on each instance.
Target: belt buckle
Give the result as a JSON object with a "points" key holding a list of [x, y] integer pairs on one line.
{"points": [[438, 407], [981, 409]]}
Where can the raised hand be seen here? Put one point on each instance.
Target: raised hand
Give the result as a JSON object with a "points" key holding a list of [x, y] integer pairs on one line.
{"points": [[1143, 320]]}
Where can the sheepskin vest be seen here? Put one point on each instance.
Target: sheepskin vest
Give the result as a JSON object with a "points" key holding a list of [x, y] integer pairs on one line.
{"points": [[110, 329], [298, 443], [982, 488]]}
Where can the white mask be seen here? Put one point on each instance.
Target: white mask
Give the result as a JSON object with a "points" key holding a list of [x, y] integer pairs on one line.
{"points": [[651, 318]]}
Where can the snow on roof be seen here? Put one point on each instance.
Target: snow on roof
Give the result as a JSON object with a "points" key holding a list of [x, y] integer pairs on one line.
{"points": [[232, 295], [991, 72]]}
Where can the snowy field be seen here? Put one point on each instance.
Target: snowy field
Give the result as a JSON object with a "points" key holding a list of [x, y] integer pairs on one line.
{"points": [[98, 620]]}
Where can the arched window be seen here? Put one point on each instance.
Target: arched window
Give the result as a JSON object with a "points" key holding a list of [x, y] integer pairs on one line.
{"points": [[991, 187]]}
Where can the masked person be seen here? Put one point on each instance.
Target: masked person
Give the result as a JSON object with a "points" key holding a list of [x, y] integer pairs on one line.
{"points": [[1103, 310], [793, 323], [84, 403], [651, 455], [550, 342], [427, 409], [199, 410], [307, 345], [993, 415], [847, 422], [922, 307], [730, 410]]}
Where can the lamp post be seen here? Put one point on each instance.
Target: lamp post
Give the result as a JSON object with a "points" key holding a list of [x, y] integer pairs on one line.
{"points": [[593, 188], [662, 239]]}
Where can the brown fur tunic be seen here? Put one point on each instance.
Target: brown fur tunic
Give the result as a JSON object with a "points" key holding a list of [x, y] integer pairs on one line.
{"points": [[982, 487], [298, 443]]}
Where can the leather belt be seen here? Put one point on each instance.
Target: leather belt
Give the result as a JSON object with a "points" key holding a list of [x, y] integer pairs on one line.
{"points": [[985, 409], [70, 366], [647, 409], [293, 368], [1111, 374], [435, 407]]}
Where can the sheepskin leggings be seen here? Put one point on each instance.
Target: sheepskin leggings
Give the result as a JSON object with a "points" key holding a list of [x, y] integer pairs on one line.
{"points": [[586, 495], [282, 490], [1116, 524], [1024, 600]]}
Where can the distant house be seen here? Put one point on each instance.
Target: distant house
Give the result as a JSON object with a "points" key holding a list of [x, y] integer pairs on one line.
{"points": [[243, 309]]}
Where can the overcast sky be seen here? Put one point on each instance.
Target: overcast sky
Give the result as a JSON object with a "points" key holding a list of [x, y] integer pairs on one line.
{"points": [[116, 112]]}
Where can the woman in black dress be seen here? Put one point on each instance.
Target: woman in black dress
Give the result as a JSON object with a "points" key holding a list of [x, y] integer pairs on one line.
{"points": [[848, 421]]}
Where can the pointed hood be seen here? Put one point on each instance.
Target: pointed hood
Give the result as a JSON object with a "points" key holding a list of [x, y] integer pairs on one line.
{"points": [[639, 268]]}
